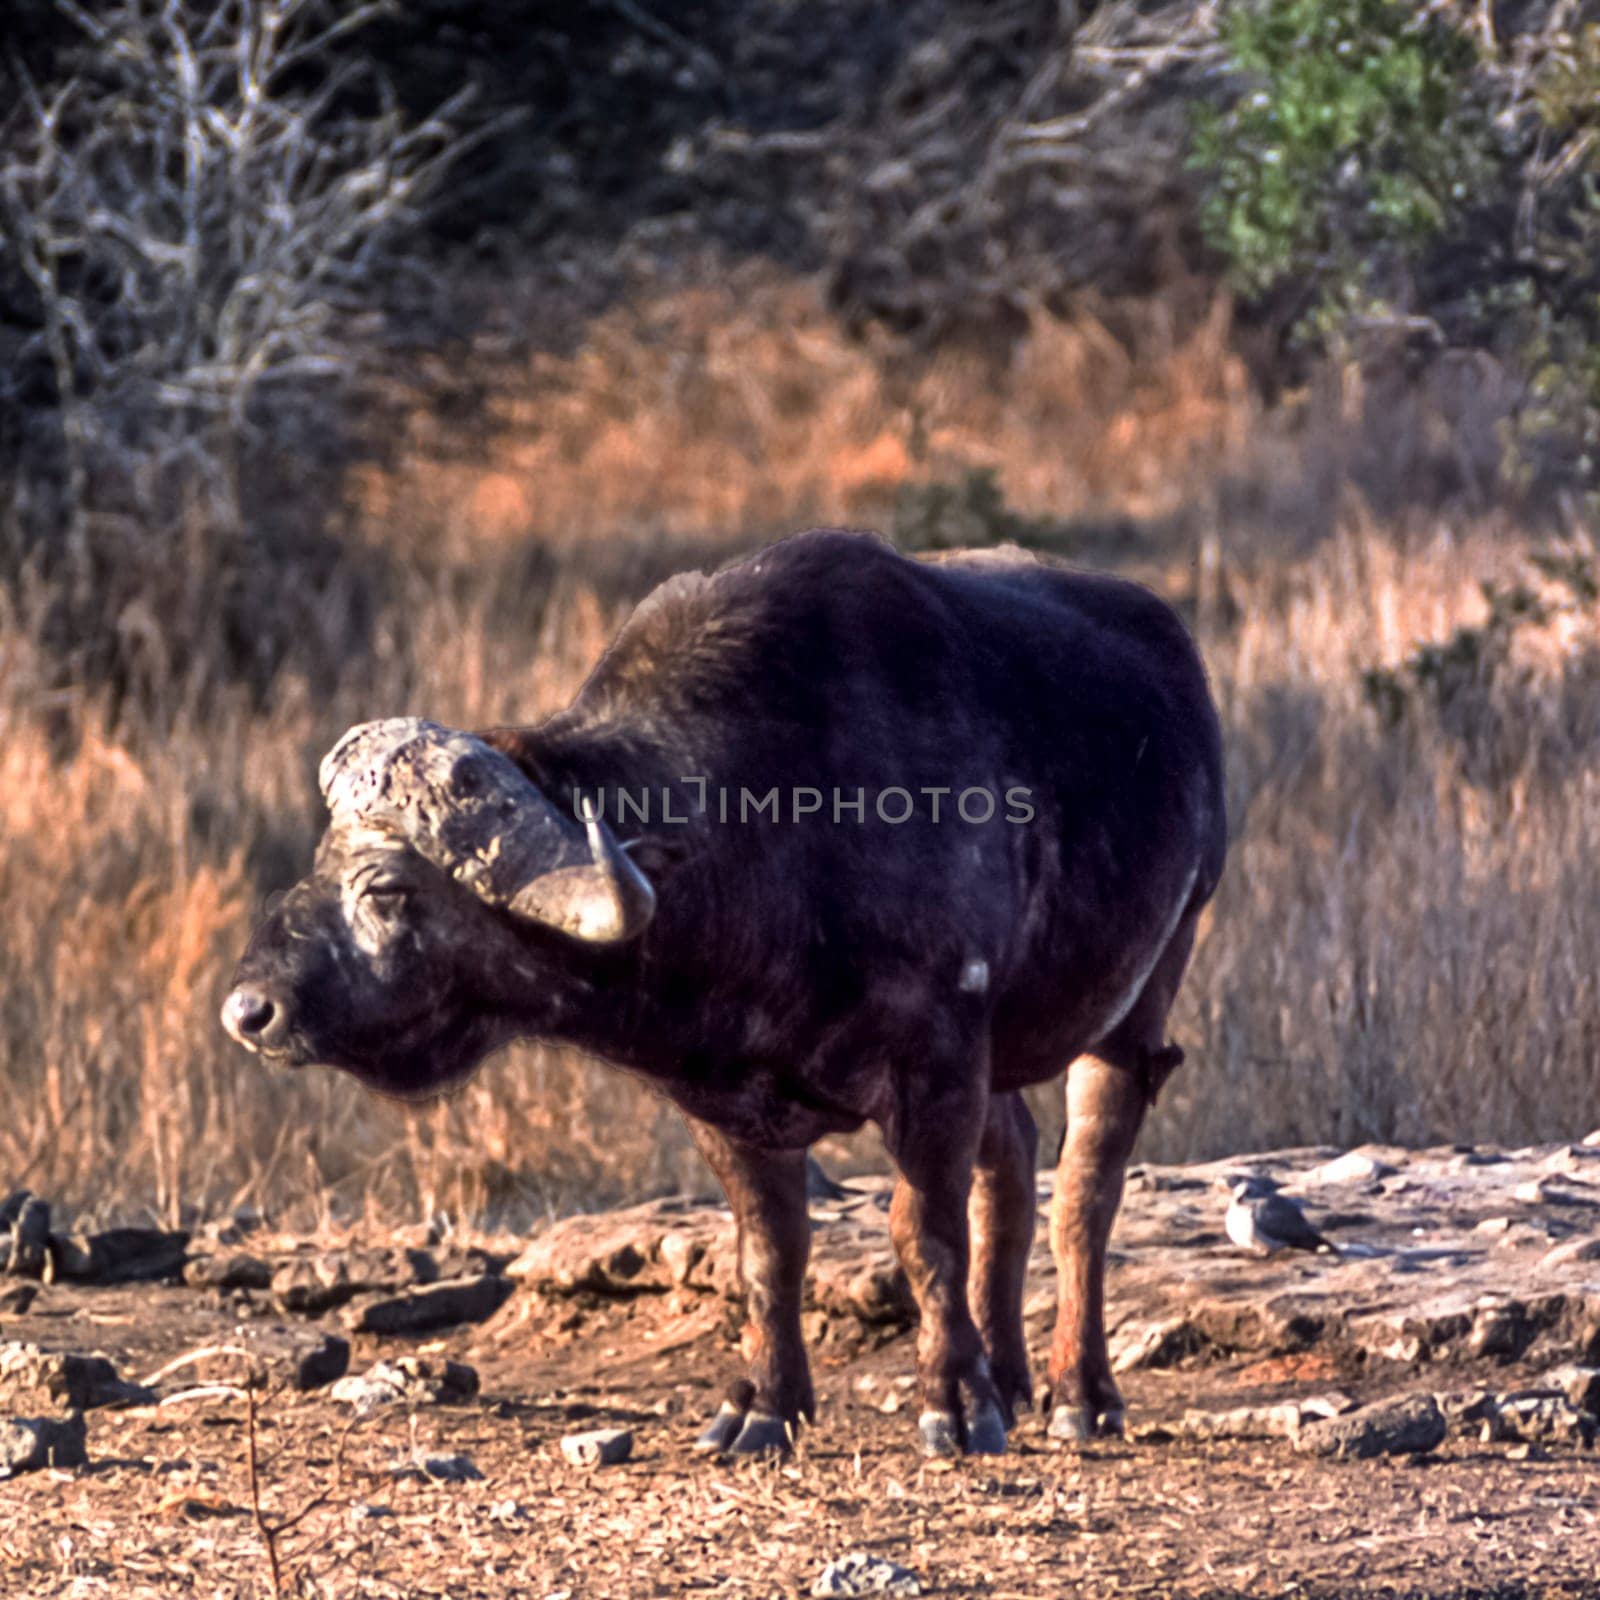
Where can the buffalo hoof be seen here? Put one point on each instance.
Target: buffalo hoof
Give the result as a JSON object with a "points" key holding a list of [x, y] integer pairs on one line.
{"points": [[719, 1434], [946, 1434], [1016, 1392], [733, 1432], [763, 1435], [1080, 1424]]}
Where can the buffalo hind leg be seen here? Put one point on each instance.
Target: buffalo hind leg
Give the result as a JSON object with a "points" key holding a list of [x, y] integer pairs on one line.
{"points": [[767, 1191], [1001, 1218], [935, 1144], [1108, 1091], [1105, 1106]]}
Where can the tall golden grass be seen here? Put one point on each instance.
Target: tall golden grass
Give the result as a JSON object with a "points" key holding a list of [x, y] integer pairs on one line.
{"points": [[1402, 947]]}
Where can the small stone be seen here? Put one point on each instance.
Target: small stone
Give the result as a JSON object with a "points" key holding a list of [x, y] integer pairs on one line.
{"points": [[1465, 1160], [599, 1447], [325, 1362], [30, 1238], [1547, 1416], [861, 1573], [439, 1305], [1354, 1166], [878, 1294], [1580, 1384], [1332, 1404], [682, 1253], [1156, 1344], [450, 1469], [1547, 1192], [409, 1380], [30, 1443], [424, 1235], [1403, 1426], [15, 1299], [1525, 1236], [74, 1382], [1570, 1159], [235, 1270], [1501, 1331], [1493, 1225], [1041, 1303], [1572, 1252], [1467, 1409]]}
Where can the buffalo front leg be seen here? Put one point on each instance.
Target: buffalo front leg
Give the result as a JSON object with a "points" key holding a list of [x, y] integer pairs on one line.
{"points": [[767, 1190], [1105, 1105], [1001, 1218], [935, 1151]]}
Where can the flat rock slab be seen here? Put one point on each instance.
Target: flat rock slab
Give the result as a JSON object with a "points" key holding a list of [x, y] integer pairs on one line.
{"points": [[685, 1244], [319, 1281], [234, 1269], [309, 1282], [1410, 1425], [439, 1305], [73, 1381], [119, 1255], [1451, 1253]]}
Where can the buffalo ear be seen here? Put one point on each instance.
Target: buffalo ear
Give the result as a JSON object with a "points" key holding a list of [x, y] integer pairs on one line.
{"points": [[512, 743]]}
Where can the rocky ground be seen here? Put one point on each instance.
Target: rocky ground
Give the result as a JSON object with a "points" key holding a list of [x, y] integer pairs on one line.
{"points": [[240, 1412]]}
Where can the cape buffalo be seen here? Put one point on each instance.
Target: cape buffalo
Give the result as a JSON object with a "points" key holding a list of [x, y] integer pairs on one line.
{"points": [[829, 836]]}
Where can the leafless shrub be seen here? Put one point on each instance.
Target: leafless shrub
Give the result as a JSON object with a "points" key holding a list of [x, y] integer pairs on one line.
{"points": [[202, 223]]}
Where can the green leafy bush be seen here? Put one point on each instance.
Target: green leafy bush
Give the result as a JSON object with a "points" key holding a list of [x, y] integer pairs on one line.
{"points": [[1361, 135], [1375, 162]]}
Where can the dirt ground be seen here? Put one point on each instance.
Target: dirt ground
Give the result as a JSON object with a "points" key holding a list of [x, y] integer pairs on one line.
{"points": [[165, 1506]]}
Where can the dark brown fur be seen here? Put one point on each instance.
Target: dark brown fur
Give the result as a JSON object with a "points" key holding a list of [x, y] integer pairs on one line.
{"points": [[802, 977]]}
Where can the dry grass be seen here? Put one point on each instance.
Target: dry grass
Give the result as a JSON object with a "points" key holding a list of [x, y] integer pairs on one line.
{"points": [[743, 412], [1403, 944]]}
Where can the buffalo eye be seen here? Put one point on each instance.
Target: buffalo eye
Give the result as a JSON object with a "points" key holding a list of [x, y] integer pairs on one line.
{"points": [[387, 900]]}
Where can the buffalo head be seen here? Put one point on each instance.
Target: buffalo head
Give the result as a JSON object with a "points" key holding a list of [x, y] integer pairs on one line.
{"points": [[439, 892]]}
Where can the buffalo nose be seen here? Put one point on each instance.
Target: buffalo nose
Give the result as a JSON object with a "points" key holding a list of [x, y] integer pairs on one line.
{"points": [[253, 1018]]}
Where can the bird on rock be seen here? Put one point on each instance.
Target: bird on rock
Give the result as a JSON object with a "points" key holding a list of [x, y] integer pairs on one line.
{"points": [[1260, 1219]]}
